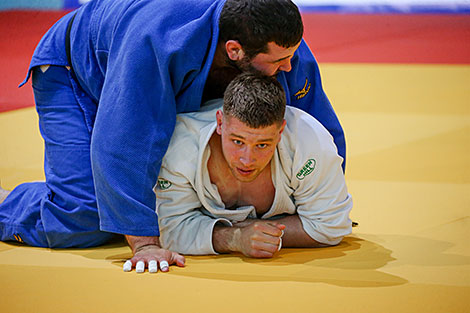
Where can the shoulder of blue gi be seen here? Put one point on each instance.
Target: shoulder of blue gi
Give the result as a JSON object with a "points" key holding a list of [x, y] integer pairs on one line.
{"points": [[304, 90]]}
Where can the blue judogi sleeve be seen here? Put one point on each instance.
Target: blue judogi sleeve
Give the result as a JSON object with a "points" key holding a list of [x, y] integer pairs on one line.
{"points": [[146, 84], [134, 122], [304, 90]]}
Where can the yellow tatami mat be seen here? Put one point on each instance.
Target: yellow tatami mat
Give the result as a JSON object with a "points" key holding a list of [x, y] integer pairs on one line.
{"points": [[408, 135]]}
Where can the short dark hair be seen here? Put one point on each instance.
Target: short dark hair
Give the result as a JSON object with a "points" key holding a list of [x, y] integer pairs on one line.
{"points": [[255, 23], [257, 101]]}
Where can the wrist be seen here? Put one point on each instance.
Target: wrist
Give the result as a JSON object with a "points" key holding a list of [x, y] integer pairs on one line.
{"points": [[226, 239], [146, 247], [138, 243]]}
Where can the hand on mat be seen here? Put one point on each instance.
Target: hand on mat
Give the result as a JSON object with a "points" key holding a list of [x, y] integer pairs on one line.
{"points": [[153, 257], [149, 254], [260, 239]]}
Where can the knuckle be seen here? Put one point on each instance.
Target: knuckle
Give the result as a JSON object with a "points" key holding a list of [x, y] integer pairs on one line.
{"points": [[136, 259]]}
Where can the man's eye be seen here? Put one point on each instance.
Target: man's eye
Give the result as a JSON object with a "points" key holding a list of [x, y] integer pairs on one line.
{"points": [[237, 142], [262, 145]]}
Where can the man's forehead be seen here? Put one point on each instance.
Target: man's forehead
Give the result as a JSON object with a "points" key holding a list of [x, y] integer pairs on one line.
{"points": [[237, 128], [275, 50]]}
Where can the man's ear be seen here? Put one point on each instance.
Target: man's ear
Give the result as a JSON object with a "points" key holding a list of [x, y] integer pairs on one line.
{"points": [[220, 117], [234, 50]]}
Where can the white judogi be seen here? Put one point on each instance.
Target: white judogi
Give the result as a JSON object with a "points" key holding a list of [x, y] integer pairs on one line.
{"points": [[306, 172]]}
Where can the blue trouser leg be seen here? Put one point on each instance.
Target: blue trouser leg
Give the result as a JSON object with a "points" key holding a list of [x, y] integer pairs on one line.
{"points": [[20, 217], [61, 212]]}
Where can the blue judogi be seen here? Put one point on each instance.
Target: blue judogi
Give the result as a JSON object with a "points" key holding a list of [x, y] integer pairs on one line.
{"points": [[136, 63]]}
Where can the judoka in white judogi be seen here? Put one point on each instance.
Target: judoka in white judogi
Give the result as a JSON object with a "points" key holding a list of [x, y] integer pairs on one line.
{"points": [[306, 173]]}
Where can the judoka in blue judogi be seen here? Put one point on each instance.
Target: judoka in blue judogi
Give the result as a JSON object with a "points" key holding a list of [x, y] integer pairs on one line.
{"points": [[109, 79]]}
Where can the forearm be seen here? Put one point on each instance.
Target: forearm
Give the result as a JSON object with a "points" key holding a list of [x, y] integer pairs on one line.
{"points": [[295, 235], [259, 239], [224, 239], [138, 242]]}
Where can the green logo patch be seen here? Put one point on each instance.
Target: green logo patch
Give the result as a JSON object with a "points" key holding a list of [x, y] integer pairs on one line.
{"points": [[307, 169], [163, 184]]}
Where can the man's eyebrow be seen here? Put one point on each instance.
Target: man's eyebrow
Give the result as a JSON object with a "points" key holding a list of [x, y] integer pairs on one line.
{"points": [[258, 140], [286, 57]]}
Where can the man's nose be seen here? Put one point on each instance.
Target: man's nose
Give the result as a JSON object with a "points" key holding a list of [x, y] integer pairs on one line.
{"points": [[285, 66], [247, 157]]}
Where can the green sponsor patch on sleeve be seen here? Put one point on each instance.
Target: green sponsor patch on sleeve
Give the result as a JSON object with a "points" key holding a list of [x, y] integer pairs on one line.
{"points": [[307, 169], [163, 184]]}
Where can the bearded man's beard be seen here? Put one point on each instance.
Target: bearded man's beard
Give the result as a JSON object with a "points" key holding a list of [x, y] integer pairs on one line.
{"points": [[220, 77], [244, 65]]}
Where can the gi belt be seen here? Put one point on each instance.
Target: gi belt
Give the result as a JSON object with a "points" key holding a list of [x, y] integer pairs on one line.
{"points": [[67, 43]]}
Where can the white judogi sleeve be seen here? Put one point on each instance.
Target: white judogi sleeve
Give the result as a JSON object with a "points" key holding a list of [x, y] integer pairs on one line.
{"points": [[184, 228], [316, 178]]}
